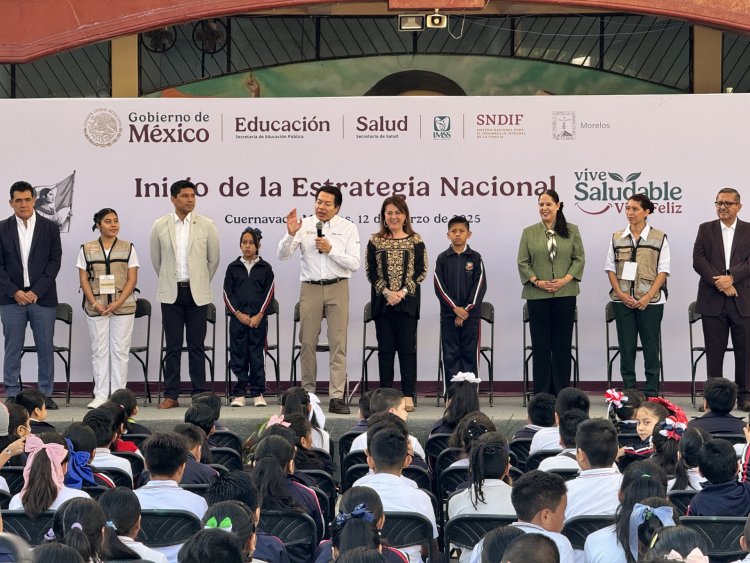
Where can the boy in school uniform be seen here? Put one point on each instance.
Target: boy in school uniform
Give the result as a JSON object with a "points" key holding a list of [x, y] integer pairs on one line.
{"points": [[567, 399], [460, 285], [540, 413], [719, 398], [724, 494], [33, 401], [568, 427]]}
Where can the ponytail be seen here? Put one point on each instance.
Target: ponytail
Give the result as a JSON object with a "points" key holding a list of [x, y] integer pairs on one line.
{"points": [[82, 521], [122, 509], [271, 458], [488, 460]]}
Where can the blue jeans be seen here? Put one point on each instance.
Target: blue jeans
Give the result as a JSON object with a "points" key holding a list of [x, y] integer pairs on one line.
{"points": [[42, 320]]}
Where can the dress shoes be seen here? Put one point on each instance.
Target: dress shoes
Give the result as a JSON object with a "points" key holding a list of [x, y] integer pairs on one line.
{"points": [[50, 404], [168, 403], [338, 406]]}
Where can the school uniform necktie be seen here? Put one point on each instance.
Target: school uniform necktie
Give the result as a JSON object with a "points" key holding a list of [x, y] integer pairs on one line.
{"points": [[551, 245]]}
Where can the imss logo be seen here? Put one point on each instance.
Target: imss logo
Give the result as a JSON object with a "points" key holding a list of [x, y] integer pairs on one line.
{"points": [[441, 127]]}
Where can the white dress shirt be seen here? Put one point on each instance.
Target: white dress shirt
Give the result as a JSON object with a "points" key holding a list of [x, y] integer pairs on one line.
{"points": [[727, 235], [144, 551], [662, 265], [343, 259], [594, 493], [182, 240], [695, 480], [602, 547], [563, 544], [360, 444], [105, 459], [25, 235], [547, 438], [133, 261], [66, 493], [563, 460]]}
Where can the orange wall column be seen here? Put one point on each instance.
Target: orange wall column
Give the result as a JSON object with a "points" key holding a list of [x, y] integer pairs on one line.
{"points": [[125, 67], [707, 58]]}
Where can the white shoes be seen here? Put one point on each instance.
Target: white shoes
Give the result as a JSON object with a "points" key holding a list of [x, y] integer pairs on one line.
{"points": [[238, 402], [260, 401], [96, 403]]}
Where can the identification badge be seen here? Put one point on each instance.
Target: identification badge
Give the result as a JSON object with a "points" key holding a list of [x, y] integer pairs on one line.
{"points": [[628, 271], [107, 284]]}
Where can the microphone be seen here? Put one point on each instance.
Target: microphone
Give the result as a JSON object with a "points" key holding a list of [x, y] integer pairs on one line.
{"points": [[319, 226]]}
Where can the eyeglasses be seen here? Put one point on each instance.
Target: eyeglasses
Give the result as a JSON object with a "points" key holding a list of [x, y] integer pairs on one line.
{"points": [[726, 204]]}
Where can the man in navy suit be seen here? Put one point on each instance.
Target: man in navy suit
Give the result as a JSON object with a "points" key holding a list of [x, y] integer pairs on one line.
{"points": [[721, 256], [30, 255]]}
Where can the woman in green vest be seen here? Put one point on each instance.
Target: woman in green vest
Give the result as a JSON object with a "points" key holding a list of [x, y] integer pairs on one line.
{"points": [[108, 272], [638, 266], [550, 262]]}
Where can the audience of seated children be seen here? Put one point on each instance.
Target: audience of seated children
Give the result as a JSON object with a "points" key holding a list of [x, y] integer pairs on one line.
{"points": [[719, 398], [469, 430], [540, 500], [273, 462], [306, 457], [461, 398], [56, 553], [104, 427], [81, 442], [129, 403], [44, 476], [363, 412], [18, 428], [122, 511], [239, 486], [540, 413], [212, 545], [687, 475], [532, 547], [212, 400], [79, 523], [196, 473], [548, 438], [33, 401], [386, 456], [120, 421], [387, 399], [166, 455], [567, 428], [722, 493], [595, 492], [678, 543], [234, 517], [641, 480], [621, 408], [357, 503], [665, 440], [490, 490], [497, 541], [297, 399]]}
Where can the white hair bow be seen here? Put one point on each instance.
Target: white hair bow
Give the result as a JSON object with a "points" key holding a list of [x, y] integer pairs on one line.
{"points": [[465, 376], [317, 411]]}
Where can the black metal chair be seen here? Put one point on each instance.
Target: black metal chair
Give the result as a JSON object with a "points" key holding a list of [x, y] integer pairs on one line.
{"points": [[528, 354], [227, 439], [444, 460], [579, 528], [520, 447], [228, 457], [353, 473], [32, 531], [296, 530], [733, 439], [367, 349], [681, 499], [142, 352], [64, 314], [119, 477], [323, 481], [195, 488], [326, 507], [433, 447], [419, 475], [404, 529], [137, 464], [613, 350], [297, 347], [722, 534], [345, 444], [5, 500], [95, 491], [270, 351], [14, 477], [466, 531], [628, 439], [696, 351], [487, 315], [356, 457], [448, 482], [162, 528], [209, 350], [566, 474], [533, 461], [18, 550], [137, 439]]}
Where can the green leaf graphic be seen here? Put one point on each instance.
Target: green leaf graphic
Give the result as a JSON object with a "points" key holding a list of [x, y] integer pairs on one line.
{"points": [[633, 176], [615, 176]]}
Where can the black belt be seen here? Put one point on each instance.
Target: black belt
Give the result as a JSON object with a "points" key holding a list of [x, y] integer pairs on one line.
{"points": [[325, 282], [183, 284]]}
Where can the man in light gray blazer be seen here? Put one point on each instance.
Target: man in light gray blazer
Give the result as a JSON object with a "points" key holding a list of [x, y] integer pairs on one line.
{"points": [[185, 255]]}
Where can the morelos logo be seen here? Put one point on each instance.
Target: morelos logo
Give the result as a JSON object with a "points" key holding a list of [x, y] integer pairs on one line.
{"points": [[441, 127], [598, 192], [102, 127]]}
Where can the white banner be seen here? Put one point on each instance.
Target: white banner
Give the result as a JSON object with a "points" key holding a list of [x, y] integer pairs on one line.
{"points": [[486, 158]]}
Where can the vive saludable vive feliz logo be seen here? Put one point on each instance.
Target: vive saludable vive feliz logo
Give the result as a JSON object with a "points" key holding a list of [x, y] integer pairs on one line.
{"points": [[597, 192]]}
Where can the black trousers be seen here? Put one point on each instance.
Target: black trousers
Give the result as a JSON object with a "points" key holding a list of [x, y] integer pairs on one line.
{"points": [[551, 327], [397, 332], [716, 336], [460, 345], [246, 348], [184, 317]]}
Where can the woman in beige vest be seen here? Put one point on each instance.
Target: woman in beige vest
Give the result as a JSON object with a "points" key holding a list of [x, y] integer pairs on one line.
{"points": [[108, 272]]}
